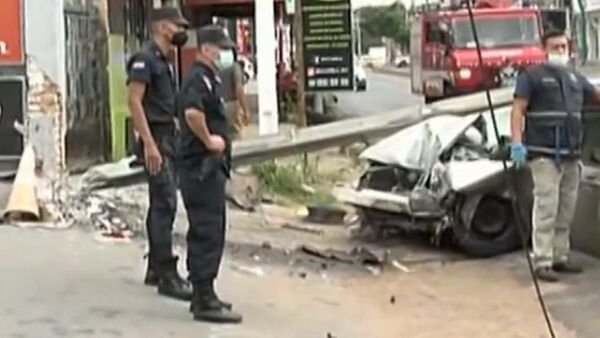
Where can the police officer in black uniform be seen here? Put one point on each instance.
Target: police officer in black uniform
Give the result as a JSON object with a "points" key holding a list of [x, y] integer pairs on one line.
{"points": [[547, 132], [151, 94], [204, 169]]}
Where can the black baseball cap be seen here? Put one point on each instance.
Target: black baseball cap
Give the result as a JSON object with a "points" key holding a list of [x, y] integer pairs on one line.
{"points": [[169, 13], [214, 34]]}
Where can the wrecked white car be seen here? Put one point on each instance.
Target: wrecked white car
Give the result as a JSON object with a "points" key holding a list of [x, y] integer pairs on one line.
{"points": [[444, 176]]}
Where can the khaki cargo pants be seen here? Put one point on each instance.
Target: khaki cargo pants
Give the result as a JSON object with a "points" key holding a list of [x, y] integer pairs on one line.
{"points": [[555, 187], [233, 115]]}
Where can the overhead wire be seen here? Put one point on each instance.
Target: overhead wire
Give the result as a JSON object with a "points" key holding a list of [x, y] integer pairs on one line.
{"points": [[507, 171]]}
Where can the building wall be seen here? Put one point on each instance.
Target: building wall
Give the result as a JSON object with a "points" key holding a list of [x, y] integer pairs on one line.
{"points": [[45, 38], [45, 50]]}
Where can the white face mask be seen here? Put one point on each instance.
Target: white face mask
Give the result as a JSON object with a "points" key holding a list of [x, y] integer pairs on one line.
{"points": [[559, 59], [226, 59]]}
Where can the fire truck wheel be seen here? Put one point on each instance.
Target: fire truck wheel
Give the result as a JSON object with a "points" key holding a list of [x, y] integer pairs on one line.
{"points": [[490, 231]]}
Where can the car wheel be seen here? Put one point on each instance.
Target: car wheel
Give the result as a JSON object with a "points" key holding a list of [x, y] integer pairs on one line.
{"points": [[485, 226]]}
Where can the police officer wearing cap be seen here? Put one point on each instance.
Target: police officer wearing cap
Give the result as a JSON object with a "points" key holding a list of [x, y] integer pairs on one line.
{"points": [[205, 163], [547, 131], [151, 95]]}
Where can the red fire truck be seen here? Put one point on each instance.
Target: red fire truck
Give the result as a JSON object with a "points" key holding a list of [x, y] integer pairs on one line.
{"points": [[444, 55]]}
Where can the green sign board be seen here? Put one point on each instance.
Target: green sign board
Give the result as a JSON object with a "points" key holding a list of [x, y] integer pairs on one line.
{"points": [[327, 33]]}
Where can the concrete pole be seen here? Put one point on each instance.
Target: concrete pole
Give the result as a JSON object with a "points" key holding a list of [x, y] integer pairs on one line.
{"points": [[268, 115]]}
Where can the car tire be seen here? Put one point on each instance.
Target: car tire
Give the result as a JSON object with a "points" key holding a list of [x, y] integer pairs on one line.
{"points": [[490, 229]]}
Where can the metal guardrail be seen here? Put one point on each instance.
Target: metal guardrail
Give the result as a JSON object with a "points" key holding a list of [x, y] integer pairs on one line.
{"points": [[315, 138]]}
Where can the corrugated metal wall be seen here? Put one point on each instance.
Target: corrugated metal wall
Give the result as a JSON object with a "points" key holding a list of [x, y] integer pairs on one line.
{"points": [[87, 97]]}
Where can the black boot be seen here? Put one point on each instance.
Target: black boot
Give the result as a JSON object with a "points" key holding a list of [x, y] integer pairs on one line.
{"points": [[567, 267], [206, 307], [211, 292], [152, 276], [171, 284], [546, 274]]}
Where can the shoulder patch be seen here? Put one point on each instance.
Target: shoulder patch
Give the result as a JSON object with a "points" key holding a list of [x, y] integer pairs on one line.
{"points": [[207, 83], [573, 78]]}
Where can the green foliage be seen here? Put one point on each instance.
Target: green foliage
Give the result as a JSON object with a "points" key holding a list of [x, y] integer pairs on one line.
{"points": [[385, 21], [294, 181]]}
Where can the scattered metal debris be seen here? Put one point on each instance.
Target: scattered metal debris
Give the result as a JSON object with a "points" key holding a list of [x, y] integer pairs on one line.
{"points": [[325, 215], [358, 255], [302, 228]]}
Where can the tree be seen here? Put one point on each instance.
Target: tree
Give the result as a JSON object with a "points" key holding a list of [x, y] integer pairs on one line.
{"points": [[384, 22]]}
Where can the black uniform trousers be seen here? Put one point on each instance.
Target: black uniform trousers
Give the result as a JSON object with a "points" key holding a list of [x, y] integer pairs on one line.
{"points": [[204, 199], [162, 209]]}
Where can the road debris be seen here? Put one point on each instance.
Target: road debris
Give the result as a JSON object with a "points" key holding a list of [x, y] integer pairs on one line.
{"points": [[256, 271], [111, 215], [375, 271], [243, 190], [325, 215], [302, 228], [358, 255], [303, 274], [113, 237], [400, 266]]}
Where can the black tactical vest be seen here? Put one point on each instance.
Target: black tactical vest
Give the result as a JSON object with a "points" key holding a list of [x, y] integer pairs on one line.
{"points": [[553, 119]]}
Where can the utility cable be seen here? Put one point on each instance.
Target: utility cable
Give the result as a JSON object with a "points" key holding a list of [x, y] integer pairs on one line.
{"points": [[514, 197]]}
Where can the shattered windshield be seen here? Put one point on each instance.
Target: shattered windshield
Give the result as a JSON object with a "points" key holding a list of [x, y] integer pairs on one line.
{"points": [[496, 32]]}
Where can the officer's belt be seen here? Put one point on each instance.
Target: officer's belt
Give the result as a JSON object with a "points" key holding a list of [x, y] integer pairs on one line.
{"points": [[162, 128], [541, 114], [550, 150]]}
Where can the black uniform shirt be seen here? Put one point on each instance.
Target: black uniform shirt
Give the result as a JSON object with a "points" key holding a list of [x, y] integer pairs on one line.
{"points": [[151, 67], [202, 90]]}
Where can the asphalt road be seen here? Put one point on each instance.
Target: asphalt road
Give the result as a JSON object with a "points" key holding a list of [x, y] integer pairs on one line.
{"points": [[384, 93]]}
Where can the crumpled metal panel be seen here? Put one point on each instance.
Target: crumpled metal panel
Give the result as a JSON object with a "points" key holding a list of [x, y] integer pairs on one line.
{"points": [[419, 146]]}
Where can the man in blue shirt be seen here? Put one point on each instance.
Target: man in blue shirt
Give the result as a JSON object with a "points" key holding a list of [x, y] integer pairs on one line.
{"points": [[547, 131]]}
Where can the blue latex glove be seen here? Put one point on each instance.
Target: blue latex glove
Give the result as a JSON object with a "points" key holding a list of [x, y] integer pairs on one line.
{"points": [[518, 154]]}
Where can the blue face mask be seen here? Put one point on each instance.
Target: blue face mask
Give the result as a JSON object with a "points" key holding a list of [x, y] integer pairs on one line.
{"points": [[226, 59]]}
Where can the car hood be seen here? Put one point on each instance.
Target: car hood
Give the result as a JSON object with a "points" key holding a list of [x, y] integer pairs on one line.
{"points": [[419, 147]]}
